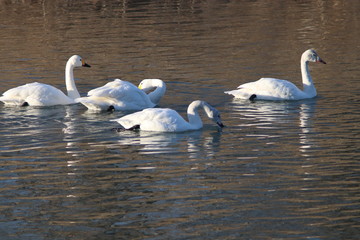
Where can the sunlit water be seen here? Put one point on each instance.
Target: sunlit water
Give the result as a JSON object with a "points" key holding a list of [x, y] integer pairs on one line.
{"points": [[279, 170]]}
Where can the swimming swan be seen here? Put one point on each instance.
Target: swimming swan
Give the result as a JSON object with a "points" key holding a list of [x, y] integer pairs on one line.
{"points": [[40, 94], [123, 95], [168, 120], [276, 89]]}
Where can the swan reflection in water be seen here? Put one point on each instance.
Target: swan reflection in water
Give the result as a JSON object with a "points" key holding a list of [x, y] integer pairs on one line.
{"points": [[70, 131], [278, 118], [307, 129], [31, 122], [88, 133], [83, 129], [192, 142]]}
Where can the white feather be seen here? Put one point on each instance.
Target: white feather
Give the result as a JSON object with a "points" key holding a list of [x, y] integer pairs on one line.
{"points": [[123, 95], [168, 120], [277, 89], [40, 94]]}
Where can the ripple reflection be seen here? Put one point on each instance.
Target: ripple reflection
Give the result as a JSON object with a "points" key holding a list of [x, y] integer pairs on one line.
{"points": [[193, 142], [306, 115]]}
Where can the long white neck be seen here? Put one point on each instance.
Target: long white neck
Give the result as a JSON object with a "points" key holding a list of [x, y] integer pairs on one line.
{"points": [[193, 114], [156, 95], [70, 83], [308, 84]]}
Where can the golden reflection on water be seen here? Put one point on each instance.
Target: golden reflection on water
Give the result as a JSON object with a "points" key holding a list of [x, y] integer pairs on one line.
{"points": [[278, 170]]}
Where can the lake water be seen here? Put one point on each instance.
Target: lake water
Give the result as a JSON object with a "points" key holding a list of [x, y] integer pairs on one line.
{"points": [[279, 170]]}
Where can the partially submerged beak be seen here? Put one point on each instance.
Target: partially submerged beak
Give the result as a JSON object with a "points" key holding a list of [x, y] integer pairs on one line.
{"points": [[322, 61], [84, 64]]}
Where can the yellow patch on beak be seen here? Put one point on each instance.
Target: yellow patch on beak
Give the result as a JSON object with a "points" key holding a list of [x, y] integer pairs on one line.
{"points": [[84, 64], [140, 86]]}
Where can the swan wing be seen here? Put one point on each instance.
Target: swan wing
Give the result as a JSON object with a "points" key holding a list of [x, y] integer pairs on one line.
{"points": [[96, 103], [155, 119], [268, 89], [35, 94], [122, 95], [137, 118], [112, 89]]}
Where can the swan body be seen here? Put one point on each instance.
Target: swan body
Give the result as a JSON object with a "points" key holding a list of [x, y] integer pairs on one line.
{"points": [[40, 94], [277, 89], [168, 120], [122, 95]]}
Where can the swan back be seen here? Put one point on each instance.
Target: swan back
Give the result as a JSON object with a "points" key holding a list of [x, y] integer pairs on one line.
{"points": [[155, 119], [122, 95], [115, 89]]}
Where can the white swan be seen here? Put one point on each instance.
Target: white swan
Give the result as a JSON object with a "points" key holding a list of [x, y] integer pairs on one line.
{"points": [[276, 89], [40, 94], [168, 120], [123, 95]]}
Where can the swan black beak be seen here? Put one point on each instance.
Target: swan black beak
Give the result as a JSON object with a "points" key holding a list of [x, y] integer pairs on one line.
{"points": [[322, 61], [220, 124], [84, 64]]}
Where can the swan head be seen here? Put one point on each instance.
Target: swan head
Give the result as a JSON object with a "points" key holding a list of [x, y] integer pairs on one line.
{"points": [[149, 84], [311, 56], [77, 61], [213, 114]]}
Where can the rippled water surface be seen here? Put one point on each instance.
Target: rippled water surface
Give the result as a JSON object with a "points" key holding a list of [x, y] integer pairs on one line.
{"points": [[279, 170]]}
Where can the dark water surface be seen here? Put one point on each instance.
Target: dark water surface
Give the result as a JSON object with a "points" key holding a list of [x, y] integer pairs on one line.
{"points": [[279, 170]]}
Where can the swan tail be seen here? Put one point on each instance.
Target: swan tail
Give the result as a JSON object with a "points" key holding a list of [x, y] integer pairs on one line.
{"points": [[132, 120], [134, 128], [127, 123], [12, 101], [93, 103], [241, 94]]}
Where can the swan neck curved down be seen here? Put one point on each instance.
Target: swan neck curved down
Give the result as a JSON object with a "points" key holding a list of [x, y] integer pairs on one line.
{"points": [[156, 95], [193, 114], [308, 84], [72, 91]]}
